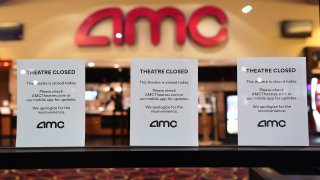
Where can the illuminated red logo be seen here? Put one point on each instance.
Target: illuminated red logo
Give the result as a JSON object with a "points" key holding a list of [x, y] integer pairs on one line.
{"points": [[124, 29]]}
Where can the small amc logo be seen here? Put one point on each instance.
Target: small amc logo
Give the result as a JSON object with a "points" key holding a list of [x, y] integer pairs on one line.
{"points": [[50, 124], [272, 123], [164, 123], [124, 27]]}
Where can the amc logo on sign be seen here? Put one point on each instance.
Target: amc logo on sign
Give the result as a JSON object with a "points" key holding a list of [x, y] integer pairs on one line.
{"points": [[124, 27]]}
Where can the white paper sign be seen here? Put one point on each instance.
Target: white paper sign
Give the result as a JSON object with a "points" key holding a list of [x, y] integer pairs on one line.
{"points": [[51, 107], [272, 95], [164, 102]]}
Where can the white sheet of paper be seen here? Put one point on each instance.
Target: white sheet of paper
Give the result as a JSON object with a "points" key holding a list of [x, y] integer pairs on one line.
{"points": [[51, 105], [272, 100], [164, 102]]}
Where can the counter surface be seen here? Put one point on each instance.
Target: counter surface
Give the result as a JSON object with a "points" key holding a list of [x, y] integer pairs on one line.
{"points": [[217, 156]]}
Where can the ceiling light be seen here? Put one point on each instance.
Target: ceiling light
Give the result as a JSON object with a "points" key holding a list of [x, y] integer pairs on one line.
{"points": [[118, 35], [106, 89], [246, 9], [118, 89], [91, 64]]}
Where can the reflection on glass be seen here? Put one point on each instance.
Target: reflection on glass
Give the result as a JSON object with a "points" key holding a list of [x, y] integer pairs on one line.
{"points": [[232, 114], [35, 82]]}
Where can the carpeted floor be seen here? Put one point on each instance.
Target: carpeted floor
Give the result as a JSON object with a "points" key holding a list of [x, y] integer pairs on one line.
{"points": [[127, 173]]}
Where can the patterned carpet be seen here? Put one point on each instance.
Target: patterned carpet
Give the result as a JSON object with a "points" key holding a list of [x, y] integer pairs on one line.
{"points": [[127, 173]]}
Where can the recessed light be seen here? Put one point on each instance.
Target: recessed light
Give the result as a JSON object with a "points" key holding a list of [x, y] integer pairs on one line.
{"points": [[91, 64], [246, 9]]}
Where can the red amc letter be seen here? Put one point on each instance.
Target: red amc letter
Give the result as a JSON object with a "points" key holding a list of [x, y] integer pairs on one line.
{"points": [[155, 19], [196, 17], [84, 39]]}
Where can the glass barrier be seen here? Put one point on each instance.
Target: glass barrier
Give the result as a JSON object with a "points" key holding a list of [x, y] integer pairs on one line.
{"points": [[108, 35]]}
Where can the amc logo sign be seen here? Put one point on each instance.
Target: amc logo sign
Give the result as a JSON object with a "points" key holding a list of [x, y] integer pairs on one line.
{"points": [[126, 27]]}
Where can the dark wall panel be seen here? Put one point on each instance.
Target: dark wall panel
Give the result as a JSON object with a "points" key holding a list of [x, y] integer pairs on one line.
{"points": [[4, 85]]}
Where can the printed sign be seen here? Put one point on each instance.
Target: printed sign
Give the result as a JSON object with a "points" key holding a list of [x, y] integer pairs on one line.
{"points": [[272, 95], [51, 107], [164, 102]]}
